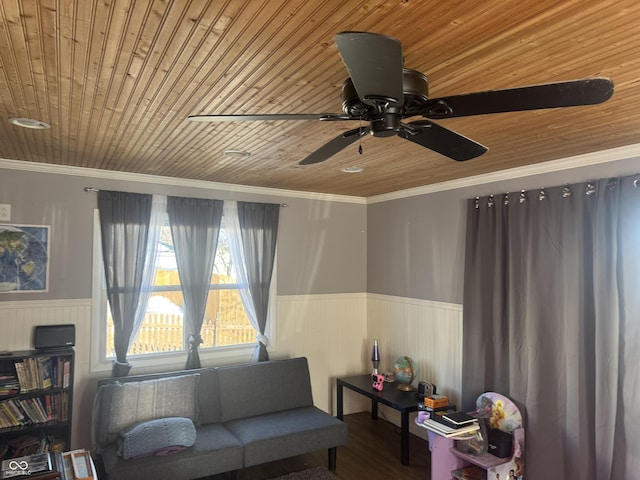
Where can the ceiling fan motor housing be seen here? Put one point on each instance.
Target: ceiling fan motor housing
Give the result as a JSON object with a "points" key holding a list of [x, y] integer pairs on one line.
{"points": [[385, 117]]}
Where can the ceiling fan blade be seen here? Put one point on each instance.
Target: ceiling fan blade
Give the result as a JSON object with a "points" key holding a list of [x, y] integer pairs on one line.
{"points": [[334, 146], [251, 118], [587, 91], [442, 140], [374, 63]]}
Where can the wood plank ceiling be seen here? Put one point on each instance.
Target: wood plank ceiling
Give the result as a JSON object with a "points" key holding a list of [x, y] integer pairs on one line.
{"points": [[116, 79]]}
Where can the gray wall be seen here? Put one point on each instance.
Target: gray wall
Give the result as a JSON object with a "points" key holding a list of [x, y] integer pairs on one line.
{"points": [[321, 245], [415, 245], [411, 247]]}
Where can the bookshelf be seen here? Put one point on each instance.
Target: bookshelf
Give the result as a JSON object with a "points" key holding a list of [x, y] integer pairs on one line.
{"points": [[36, 395]]}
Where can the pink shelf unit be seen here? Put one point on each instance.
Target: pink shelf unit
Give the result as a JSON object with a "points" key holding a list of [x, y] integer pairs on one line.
{"points": [[445, 458]]}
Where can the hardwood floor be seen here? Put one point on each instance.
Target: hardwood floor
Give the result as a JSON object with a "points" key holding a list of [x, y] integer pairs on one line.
{"points": [[372, 452]]}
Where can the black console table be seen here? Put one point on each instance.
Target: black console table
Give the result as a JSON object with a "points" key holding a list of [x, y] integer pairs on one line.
{"points": [[404, 402]]}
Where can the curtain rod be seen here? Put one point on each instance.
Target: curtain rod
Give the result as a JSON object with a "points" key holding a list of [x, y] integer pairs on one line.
{"points": [[590, 189], [94, 189]]}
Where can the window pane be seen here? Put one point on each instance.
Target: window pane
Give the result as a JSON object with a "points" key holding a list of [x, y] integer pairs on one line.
{"points": [[225, 322], [162, 327]]}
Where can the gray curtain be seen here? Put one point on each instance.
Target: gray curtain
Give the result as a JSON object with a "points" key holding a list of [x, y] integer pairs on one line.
{"points": [[124, 225], [195, 226], [259, 231], [551, 320]]}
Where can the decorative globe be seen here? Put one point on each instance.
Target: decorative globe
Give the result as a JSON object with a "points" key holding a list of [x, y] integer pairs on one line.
{"points": [[405, 371]]}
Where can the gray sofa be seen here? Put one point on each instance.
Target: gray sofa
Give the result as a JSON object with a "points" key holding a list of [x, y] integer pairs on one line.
{"points": [[243, 415]]}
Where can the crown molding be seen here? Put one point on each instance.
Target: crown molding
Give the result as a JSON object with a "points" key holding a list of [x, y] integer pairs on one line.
{"points": [[178, 182], [592, 158]]}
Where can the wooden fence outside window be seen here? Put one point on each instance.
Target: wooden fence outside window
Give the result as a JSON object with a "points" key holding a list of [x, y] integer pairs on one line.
{"points": [[165, 333]]}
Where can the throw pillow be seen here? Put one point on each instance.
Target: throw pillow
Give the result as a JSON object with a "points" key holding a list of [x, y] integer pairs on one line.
{"points": [[161, 436]]}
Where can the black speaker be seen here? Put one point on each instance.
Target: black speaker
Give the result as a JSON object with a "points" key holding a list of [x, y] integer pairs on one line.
{"points": [[54, 337], [500, 443]]}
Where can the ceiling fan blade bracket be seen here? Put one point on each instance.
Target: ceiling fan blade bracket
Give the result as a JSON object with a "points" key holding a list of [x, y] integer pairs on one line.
{"points": [[380, 100], [335, 117], [334, 146], [437, 109], [439, 139], [414, 128]]}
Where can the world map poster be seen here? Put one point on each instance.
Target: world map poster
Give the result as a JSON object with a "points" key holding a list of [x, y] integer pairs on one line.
{"points": [[24, 258]]}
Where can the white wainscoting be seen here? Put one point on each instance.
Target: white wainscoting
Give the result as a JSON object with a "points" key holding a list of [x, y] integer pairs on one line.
{"points": [[428, 332], [330, 330], [17, 320], [335, 332]]}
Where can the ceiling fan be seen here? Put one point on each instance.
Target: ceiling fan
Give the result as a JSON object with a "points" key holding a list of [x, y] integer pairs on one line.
{"points": [[383, 93]]}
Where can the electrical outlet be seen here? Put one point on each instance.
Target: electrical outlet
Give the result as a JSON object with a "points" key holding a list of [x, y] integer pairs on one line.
{"points": [[5, 212]]}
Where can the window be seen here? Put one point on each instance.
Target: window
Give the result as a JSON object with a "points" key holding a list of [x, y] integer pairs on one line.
{"points": [[162, 332]]}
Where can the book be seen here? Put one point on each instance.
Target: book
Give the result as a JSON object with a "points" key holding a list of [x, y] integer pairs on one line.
{"points": [[64, 407], [446, 431], [440, 418], [44, 368], [47, 401], [22, 377], [459, 418], [9, 385], [66, 374], [5, 420]]}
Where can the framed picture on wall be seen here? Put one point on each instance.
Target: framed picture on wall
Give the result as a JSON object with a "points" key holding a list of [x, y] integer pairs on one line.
{"points": [[24, 258]]}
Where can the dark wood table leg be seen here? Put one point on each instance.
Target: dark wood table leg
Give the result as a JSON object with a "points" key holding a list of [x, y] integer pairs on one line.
{"points": [[404, 438], [339, 400], [374, 409]]}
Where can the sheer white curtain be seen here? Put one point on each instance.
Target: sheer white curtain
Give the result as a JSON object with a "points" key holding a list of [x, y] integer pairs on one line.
{"points": [[156, 221], [230, 215]]}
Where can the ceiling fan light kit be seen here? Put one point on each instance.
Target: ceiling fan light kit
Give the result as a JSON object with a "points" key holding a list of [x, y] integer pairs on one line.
{"points": [[383, 93]]}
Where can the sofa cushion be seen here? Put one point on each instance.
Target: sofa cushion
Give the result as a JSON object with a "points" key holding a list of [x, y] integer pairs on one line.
{"points": [[161, 436], [259, 388], [287, 433], [208, 397], [121, 405], [215, 451]]}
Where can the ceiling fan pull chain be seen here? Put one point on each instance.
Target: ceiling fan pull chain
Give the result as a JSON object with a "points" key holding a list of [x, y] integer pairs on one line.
{"points": [[360, 137]]}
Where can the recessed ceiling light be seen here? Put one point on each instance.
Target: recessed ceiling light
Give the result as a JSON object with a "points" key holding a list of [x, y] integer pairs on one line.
{"points": [[29, 123], [236, 153], [352, 169]]}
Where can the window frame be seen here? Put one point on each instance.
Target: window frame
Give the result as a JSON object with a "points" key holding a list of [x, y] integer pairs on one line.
{"points": [[99, 360]]}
